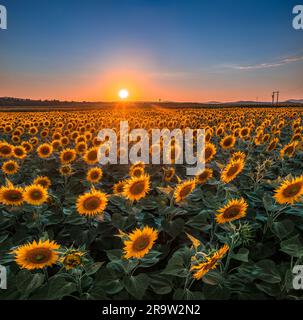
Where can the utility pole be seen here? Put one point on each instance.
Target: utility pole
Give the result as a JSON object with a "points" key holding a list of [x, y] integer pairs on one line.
{"points": [[273, 97]]}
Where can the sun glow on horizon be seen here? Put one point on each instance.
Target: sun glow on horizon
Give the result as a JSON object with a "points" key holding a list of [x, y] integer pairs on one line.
{"points": [[123, 94]]}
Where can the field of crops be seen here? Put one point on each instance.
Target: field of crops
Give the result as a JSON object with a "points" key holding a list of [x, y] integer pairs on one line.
{"points": [[74, 229]]}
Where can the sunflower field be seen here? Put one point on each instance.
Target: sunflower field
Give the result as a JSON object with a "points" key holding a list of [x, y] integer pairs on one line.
{"points": [[71, 228]]}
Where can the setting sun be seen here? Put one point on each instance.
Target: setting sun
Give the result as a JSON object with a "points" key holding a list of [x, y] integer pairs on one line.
{"points": [[123, 94]]}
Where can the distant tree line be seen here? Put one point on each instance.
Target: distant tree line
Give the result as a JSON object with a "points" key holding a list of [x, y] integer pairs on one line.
{"points": [[7, 101]]}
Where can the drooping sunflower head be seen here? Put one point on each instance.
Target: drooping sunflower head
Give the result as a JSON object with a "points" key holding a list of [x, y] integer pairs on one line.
{"points": [[45, 150], [233, 210], [184, 189], [232, 170], [210, 262], [35, 194], [205, 175], [136, 188], [11, 195], [290, 191], [43, 181], [94, 175], [10, 167], [92, 203], [37, 255], [140, 242]]}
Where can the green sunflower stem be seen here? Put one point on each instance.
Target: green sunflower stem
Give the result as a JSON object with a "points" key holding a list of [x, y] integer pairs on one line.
{"points": [[79, 284], [230, 252], [45, 274]]}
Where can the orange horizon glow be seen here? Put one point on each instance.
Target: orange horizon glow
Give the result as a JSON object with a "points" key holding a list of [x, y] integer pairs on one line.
{"points": [[141, 84]]}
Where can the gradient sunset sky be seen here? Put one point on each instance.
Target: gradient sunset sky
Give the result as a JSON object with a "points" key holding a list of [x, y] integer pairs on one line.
{"points": [[181, 50]]}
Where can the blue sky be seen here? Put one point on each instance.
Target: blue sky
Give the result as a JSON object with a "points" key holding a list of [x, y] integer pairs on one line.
{"points": [[187, 50]]}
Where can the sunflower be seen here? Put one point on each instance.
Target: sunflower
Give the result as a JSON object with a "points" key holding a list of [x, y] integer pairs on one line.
{"points": [[136, 171], [35, 194], [10, 167], [67, 156], [272, 144], [94, 175], [56, 144], [296, 137], [244, 133], [34, 141], [81, 147], [228, 142], [289, 150], [205, 175], [136, 188], [45, 150], [233, 210], [184, 189], [43, 181], [232, 170], [16, 139], [64, 141], [139, 164], [118, 187], [239, 155], [66, 170], [91, 156], [72, 259], [33, 131], [265, 138], [139, 242], [211, 263], [290, 191], [6, 150], [11, 195], [28, 147], [37, 255], [19, 152], [169, 174], [92, 203], [210, 151]]}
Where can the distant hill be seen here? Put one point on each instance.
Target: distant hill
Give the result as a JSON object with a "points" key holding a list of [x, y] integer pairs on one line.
{"points": [[294, 101]]}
